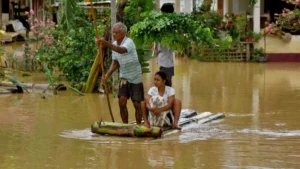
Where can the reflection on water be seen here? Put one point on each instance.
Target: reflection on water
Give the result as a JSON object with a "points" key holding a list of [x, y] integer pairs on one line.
{"points": [[261, 128]]}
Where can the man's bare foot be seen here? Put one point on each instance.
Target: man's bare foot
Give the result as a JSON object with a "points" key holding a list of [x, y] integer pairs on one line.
{"points": [[146, 124], [176, 126]]}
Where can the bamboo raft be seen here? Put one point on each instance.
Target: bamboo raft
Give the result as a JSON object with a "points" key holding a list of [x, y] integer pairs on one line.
{"points": [[120, 129]]}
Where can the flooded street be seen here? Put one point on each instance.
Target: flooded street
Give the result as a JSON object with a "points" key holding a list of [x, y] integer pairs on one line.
{"points": [[261, 129]]}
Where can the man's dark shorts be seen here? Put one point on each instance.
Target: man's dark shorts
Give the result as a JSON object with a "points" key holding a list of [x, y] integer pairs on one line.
{"points": [[133, 91], [169, 71]]}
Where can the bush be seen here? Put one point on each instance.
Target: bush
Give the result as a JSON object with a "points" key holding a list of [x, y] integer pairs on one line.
{"points": [[287, 21], [74, 50]]}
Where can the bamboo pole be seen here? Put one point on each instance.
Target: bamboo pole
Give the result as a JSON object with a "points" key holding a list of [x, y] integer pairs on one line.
{"points": [[95, 68]]}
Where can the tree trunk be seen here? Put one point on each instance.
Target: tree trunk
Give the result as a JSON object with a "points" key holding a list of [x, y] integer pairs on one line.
{"points": [[157, 3], [120, 13], [113, 12], [0, 14], [121, 129], [194, 6], [177, 6], [34, 86]]}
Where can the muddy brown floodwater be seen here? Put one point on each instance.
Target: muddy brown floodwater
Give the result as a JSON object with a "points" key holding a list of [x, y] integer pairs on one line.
{"points": [[261, 129]]}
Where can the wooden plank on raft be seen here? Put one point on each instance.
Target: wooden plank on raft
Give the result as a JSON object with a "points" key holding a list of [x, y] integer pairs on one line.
{"points": [[185, 121], [201, 119]]}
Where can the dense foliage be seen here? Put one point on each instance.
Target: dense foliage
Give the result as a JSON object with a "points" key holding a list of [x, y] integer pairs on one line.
{"points": [[211, 19], [252, 3], [73, 50], [67, 13], [173, 31], [134, 9], [288, 20]]}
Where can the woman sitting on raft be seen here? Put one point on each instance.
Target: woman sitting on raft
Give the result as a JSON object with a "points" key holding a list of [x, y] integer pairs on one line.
{"points": [[160, 107]]}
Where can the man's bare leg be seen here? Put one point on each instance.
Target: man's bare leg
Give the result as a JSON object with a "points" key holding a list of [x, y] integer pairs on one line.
{"points": [[123, 108], [138, 112], [145, 114]]}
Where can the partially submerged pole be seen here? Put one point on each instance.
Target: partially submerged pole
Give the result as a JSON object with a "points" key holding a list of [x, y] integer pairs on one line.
{"points": [[121, 129], [96, 67]]}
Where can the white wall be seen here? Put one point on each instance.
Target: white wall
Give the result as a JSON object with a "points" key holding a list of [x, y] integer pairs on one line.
{"points": [[5, 18], [235, 6], [276, 45], [244, 6]]}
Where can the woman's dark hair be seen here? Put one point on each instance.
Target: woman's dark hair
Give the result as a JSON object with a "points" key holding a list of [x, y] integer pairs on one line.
{"points": [[164, 77], [167, 8]]}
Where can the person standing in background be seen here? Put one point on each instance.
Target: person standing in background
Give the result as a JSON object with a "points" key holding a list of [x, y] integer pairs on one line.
{"points": [[165, 56]]}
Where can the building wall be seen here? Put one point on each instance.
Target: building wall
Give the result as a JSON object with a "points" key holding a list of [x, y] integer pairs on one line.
{"points": [[244, 7], [237, 6], [276, 45], [279, 51]]}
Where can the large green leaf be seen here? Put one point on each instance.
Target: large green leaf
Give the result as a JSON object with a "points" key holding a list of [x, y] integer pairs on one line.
{"points": [[76, 90], [49, 75], [68, 16]]}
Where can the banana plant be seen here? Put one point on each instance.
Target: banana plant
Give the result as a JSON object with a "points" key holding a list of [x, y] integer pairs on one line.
{"points": [[50, 79], [52, 84], [68, 16], [76, 90]]}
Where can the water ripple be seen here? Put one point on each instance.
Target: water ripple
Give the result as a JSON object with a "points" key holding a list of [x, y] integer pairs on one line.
{"points": [[239, 115], [279, 133], [84, 134]]}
